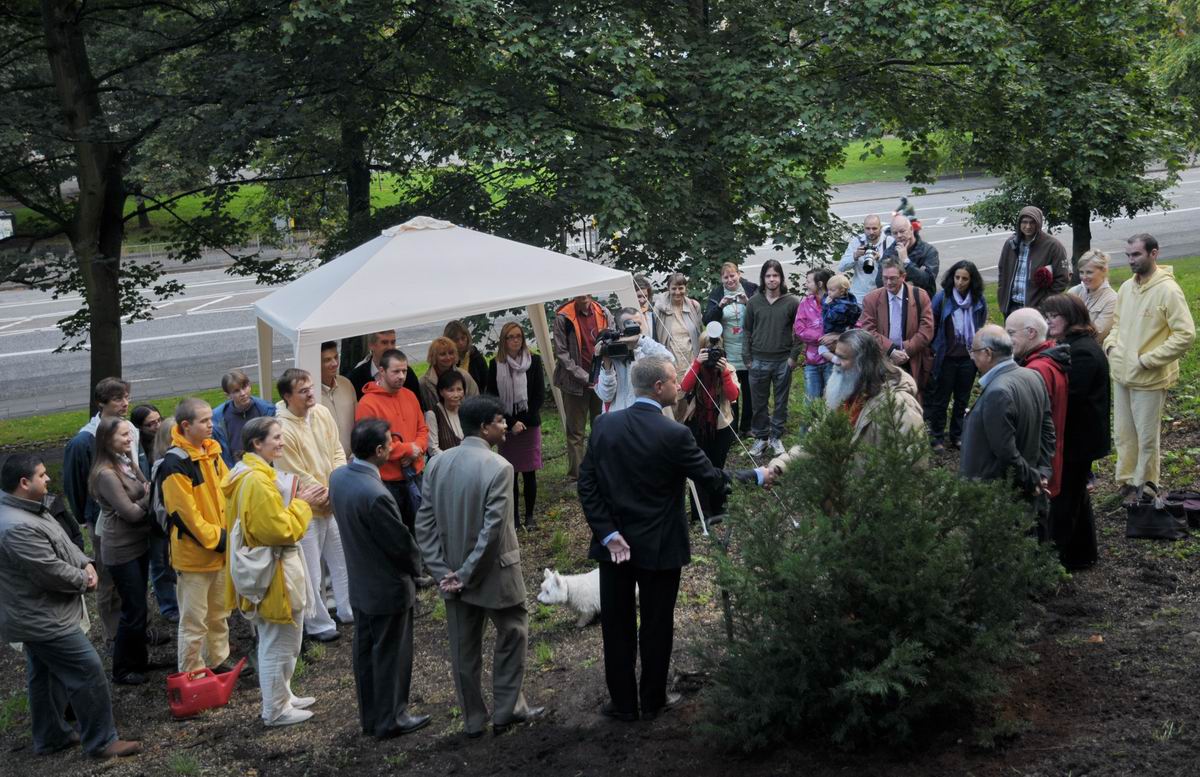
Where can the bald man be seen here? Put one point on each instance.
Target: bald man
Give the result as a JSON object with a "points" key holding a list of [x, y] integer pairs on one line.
{"points": [[1031, 349], [919, 259], [865, 248]]}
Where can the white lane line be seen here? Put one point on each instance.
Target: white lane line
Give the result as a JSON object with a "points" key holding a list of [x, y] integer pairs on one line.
{"points": [[939, 222], [198, 312], [422, 342], [127, 341], [210, 302], [14, 323], [1163, 213]]}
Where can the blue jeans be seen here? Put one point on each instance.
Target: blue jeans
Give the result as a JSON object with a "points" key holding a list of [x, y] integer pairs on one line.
{"points": [[67, 670], [129, 648], [162, 577], [815, 378], [766, 376]]}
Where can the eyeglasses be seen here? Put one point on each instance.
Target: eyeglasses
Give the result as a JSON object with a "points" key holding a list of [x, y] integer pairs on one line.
{"points": [[515, 336]]}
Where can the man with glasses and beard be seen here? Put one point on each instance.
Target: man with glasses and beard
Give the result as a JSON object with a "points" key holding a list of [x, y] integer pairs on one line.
{"points": [[864, 384]]}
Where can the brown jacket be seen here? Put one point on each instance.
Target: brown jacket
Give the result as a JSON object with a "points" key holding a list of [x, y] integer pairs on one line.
{"points": [[569, 375], [918, 329], [1044, 251]]}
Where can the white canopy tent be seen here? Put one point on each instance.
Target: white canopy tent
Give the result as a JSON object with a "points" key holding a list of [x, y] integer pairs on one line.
{"points": [[422, 272]]}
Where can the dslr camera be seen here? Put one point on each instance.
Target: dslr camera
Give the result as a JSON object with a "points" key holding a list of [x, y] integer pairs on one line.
{"points": [[715, 354], [869, 256]]}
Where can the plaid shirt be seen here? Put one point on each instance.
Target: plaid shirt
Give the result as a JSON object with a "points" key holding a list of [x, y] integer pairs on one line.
{"points": [[1021, 274]]}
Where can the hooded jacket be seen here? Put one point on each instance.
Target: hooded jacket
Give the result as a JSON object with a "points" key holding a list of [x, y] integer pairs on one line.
{"points": [[1044, 251], [251, 487], [403, 413], [1053, 363], [191, 492], [311, 447], [1152, 329], [221, 424], [569, 374]]}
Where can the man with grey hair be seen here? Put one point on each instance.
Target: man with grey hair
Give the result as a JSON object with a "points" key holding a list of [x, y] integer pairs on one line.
{"points": [[1009, 433], [613, 385], [918, 259], [862, 255], [631, 486], [1027, 328]]}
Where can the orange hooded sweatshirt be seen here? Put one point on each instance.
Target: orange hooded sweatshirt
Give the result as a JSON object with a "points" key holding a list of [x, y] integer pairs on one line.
{"points": [[402, 411]]}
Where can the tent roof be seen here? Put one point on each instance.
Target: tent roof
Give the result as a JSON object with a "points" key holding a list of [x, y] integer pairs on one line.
{"points": [[426, 271]]}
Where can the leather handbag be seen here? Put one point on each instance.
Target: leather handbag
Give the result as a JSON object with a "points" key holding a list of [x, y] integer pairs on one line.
{"points": [[1150, 518]]}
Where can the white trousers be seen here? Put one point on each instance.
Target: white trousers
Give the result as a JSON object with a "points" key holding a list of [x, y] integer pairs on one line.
{"points": [[278, 649], [323, 542]]}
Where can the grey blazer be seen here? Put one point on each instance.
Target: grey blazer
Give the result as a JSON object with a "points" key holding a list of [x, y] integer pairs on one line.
{"points": [[381, 554], [465, 525], [1009, 433]]}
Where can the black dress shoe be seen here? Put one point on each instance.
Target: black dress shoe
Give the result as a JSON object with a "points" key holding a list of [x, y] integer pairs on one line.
{"points": [[610, 711], [152, 664], [531, 714], [406, 724], [673, 700], [154, 637], [130, 678]]}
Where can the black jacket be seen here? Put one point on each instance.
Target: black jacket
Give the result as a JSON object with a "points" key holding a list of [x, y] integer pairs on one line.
{"points": [[361, 375], [1088, 434], [477, 368], [536, 376], [632, 481], [712, 311], [922, 268]]}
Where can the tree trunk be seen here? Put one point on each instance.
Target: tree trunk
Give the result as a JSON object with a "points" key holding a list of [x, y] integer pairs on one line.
{"points": [[1081, 231], [142, 216], [98, 226], [358, 179]]}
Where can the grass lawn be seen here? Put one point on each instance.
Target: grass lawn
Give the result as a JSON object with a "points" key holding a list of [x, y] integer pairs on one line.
{"points": [[890, 166]]}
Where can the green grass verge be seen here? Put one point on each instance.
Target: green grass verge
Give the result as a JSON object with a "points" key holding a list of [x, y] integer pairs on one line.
{"points": [[887, 167]]}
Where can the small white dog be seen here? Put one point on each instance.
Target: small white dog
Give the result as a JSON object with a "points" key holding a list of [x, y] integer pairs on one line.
{"points": [[579, 592]]}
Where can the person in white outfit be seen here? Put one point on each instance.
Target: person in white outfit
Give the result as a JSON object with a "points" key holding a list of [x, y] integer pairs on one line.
{"points": [[312, 449], [271, 516]]}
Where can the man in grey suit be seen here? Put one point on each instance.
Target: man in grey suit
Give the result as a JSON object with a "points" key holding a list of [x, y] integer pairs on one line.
{"points": [[382, 559], [465, 530], [1009, 433]]}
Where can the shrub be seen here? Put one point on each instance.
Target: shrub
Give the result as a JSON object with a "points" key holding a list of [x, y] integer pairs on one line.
{"points": [[895, 602]]}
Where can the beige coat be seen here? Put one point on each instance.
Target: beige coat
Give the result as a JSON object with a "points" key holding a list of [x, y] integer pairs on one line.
{"points": [[341, 401], [1101, 306]]}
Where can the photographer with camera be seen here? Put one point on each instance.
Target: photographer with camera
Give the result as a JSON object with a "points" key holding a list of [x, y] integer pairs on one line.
{"points": [[616, 350], [710, 386], [863, 254]]}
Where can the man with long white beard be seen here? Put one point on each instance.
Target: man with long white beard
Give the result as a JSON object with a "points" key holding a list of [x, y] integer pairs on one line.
{"points": [[861, 384]]}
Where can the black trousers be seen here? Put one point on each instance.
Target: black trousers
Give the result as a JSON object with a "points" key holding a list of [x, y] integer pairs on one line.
{"points": [[955, 378], [1072, 525], [716, 447], [129, 648], [743, 408], [383, 655], [408, 511], [657, 590]]}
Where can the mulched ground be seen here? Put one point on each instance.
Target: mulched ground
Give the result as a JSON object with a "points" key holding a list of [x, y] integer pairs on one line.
{"points": [[1110, 692]]}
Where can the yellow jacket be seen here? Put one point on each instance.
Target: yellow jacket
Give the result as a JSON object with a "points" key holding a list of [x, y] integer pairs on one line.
{"points": [[192, 497], [265, 521], [1152, 325], [312, 447]]}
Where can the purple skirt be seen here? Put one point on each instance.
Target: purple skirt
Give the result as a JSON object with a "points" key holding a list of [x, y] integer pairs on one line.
{"points": [[524, 450]]}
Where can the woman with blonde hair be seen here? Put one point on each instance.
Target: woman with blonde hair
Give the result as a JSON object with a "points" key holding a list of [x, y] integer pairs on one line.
{"points": [[1096, 293], [443, 357], [272, 518], [680, 327], [516, 376], [727, 304]]}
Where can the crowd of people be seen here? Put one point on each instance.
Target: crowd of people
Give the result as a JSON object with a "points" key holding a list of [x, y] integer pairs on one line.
{"points": [[333, 505]]}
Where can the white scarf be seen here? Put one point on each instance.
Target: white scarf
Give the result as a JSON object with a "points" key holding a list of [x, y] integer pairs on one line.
{"points": [[964, 320], [514, 393]]}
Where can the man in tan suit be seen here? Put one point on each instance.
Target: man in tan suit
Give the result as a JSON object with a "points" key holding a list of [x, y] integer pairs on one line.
{"points": [[465, 531], [900, 317]]}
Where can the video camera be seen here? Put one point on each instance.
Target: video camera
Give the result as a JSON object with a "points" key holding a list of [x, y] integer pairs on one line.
{"points": [[610, 341]]}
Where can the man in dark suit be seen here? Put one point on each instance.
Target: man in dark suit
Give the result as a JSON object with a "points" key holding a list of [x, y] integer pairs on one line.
{"points": [[465, 528], [1009, 433], [631, 486], [379, 343], [382, 559]]}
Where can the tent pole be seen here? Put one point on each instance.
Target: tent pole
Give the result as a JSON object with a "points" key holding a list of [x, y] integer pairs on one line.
{"points": [[541, 331], [265, 349]]}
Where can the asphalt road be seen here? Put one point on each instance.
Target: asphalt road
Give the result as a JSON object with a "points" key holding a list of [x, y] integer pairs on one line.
{"points": [[195, 338]]}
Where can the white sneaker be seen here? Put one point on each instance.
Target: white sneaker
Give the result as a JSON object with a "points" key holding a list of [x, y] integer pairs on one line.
{"points": [[758, 448], [303, 702], [290, 717], [777, 446]]}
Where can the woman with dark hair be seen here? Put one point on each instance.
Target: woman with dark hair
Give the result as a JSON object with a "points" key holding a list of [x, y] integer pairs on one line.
{"points": [[443, 357], [1086, 436], [712, 387], [959, 310], [146, 418], [645, 297], [470, 359], [123, 495], [445, 431], [273, 512], [517, 378]]}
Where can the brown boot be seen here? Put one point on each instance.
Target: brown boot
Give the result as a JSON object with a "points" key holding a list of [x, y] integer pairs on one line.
{"points": [[120, 749]]}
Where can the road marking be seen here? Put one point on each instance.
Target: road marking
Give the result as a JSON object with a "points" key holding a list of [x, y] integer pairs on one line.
{"points": [[219, 310], [18, 321], [128, 341], [422, 342], [210, 302], [942, 220], [1163, 213]]}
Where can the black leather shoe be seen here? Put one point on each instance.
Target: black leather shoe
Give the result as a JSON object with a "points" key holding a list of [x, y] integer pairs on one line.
{"points": [[531, 714], [610, 711], [673, 700], [406, 724], [154, 637], [130, 678]]}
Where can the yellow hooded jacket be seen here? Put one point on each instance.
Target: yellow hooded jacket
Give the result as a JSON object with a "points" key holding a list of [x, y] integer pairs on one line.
{"points": [[191, 491], [265, 521], [1153, 324]]}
